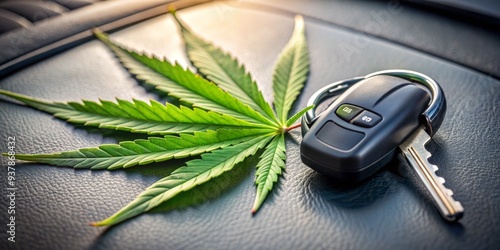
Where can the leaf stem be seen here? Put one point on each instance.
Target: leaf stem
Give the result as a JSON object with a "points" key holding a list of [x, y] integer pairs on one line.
{"points": [[293, 127]]}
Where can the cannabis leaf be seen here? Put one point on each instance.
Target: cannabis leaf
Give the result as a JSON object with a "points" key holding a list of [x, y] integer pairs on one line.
{"points": [[194, 173], [183, 84], [269, 167], [225, 119], [291, 71], [141, 152], [136, 116], [224, 70]]}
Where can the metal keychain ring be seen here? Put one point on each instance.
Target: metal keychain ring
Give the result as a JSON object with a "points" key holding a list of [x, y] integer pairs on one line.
{"points": [[432, 117]]}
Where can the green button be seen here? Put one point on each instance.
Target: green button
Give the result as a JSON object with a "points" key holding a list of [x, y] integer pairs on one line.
{"points": [[348, 111]]}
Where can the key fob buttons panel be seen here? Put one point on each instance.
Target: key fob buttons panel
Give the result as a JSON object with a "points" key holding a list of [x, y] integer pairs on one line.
{"points": [[358, 116]]}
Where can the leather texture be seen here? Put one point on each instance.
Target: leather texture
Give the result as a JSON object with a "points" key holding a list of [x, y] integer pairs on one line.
{"points": [[307, 210]]}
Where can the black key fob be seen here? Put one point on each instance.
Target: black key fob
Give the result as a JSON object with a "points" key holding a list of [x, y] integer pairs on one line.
{"points": [[361, 130]]}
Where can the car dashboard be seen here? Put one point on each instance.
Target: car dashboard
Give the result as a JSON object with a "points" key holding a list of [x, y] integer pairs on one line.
{"points": [[59, 59]]}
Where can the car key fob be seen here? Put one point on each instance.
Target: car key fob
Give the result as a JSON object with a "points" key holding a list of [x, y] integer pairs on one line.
{"points": [[361, 130]]}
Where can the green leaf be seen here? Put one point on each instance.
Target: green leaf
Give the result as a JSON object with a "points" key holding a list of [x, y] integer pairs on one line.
{"points": [[141, 152], [230, 121], [224, 70], [185, 178], [268, 169], [299, 114], [183, 84], [291, 71], [210, 190], [136, 116]]}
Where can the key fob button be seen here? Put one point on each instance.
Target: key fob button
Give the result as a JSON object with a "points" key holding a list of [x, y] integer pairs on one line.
{"points": [[339, 137], [348, 111], [366, 119]]}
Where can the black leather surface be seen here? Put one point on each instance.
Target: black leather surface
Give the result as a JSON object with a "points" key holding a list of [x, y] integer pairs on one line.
{"points": [[454, 39], [307, 210]]}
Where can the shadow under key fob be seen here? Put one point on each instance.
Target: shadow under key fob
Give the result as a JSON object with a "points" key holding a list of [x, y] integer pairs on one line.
{"points": [[361, 130]]}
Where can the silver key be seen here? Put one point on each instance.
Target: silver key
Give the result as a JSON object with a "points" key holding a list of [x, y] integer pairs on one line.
{"points": [[417, 155]]}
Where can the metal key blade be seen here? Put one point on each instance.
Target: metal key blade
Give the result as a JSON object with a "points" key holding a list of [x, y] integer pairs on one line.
{"points": [[417, 156]]}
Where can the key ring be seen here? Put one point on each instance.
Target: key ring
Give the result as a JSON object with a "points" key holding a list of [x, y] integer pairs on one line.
{"points": [[432, 117]]}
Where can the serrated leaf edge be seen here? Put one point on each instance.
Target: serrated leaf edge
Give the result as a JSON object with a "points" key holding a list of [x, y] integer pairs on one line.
{"points": [[162, 190]]}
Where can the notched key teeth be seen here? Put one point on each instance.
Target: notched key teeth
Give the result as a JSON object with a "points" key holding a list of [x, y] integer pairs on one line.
{"points": [[441, 180], [434, 168], [417, 155], [449, 192], [426, 154]]}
